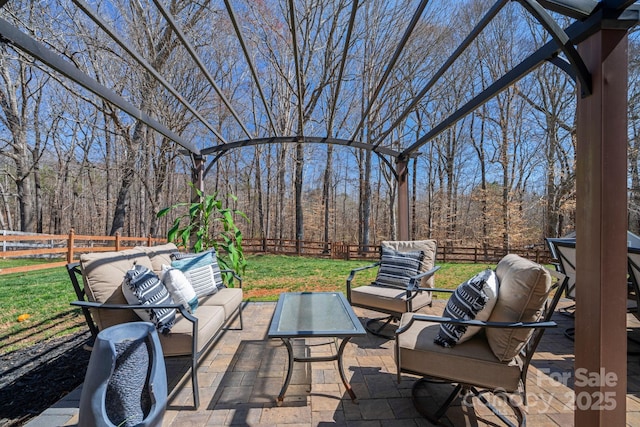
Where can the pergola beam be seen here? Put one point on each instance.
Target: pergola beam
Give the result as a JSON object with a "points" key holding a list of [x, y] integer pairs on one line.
{"points": [[576, 32], [577, 9], [11, 34], [391, 65], [252, 67], [491, 13], [296, 60], [196, 58], [92, 13], [307, 140], [345, 51]]}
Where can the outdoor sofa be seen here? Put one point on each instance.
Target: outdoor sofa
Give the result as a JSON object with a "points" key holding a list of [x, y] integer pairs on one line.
{"points": [[98, 282]]}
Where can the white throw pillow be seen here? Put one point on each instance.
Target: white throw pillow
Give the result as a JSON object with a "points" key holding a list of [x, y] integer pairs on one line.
{"points": [[179, 287]]}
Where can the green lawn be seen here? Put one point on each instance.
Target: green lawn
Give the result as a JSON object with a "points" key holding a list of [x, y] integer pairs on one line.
{"points": [[45, 295]]}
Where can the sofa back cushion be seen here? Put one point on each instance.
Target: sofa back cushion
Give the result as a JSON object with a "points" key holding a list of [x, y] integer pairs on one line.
{"points": [[159, 255], [103, 274], [524, 288]]}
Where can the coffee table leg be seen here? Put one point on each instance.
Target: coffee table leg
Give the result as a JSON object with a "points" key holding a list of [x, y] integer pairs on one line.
{"points": [[341, 370], [287, 343]]}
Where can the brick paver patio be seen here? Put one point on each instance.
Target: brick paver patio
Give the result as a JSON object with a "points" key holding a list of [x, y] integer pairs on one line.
{"points": [[242, 375]]}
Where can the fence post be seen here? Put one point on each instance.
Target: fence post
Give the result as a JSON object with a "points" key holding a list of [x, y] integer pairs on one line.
{"points": [[475, 255], [149, 240], [71, 246], [264, 244], [117, 241]]}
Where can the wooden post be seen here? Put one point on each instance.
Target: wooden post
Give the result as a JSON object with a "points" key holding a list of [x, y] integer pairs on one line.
{"points": [[71, 246], [403, 198], [117, 241], [600, 381]]}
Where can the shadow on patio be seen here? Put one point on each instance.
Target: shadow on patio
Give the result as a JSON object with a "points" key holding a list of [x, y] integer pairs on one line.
{"points": [[243, 373]]}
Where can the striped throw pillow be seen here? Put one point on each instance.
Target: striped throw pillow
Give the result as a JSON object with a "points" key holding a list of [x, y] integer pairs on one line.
{"points": [[397, 268], [199, 271], [142, 286], [472, 300]]}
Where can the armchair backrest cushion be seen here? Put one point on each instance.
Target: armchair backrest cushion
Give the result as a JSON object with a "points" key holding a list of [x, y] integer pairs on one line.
{"points": [[524, 288], [103, 274], [428, 247]]}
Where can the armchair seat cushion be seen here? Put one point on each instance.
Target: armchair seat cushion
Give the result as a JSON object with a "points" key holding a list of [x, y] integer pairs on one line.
{"points": [[387, 299], [227, 298], [178, 341], [471, 362]]}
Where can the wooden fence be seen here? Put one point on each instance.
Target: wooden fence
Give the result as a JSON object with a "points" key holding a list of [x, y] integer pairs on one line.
{"points": [[62, 249], [59, 246], [352, 251]]}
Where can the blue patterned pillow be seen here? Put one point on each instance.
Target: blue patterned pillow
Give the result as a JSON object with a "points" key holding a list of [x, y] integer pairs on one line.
{"points": [[397, 268], [472, 300], [143, 286], [199, 269]]}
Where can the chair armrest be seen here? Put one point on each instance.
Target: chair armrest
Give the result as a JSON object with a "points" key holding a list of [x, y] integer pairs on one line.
{"points": [[480, 323], [353, 273], [355, 270], [414, 281], [234, 275], [179, 307]]}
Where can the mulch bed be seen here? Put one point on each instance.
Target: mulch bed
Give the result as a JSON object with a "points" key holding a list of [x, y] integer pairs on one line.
{"points": [[33, 379]]}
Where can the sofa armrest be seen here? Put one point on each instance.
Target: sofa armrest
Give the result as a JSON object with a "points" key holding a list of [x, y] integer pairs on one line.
{"points": [[234, 275], [179, 307]]}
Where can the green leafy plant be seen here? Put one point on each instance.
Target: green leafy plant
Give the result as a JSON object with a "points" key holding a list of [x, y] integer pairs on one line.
{"points": [[207, 224]]}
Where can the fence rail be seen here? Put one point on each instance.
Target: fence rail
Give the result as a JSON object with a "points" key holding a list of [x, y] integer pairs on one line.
{"points": [[70, 246]]}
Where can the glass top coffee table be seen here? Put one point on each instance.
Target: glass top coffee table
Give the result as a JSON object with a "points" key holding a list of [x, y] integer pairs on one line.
{"points": [[314, 314]]}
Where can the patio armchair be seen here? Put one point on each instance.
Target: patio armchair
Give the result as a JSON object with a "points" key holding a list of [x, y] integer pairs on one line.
{"points": [[494, 360], [405, 269], [633, 261], [564, 253]]}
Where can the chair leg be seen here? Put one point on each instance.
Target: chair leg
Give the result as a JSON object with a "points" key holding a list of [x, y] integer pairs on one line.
{"points": [[194, 382], [517, 410], [460, 389], [387, 320], [435, 417]]}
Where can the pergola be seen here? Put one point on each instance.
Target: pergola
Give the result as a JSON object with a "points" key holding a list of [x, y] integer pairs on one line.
{"points": [[592, 49]]}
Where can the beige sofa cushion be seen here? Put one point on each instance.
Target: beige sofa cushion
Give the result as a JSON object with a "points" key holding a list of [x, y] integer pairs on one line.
{"points": [[524, 287], [227, 298], [471, 362], [429, 248], [103, 274], [178, 341], [159, 255]]}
